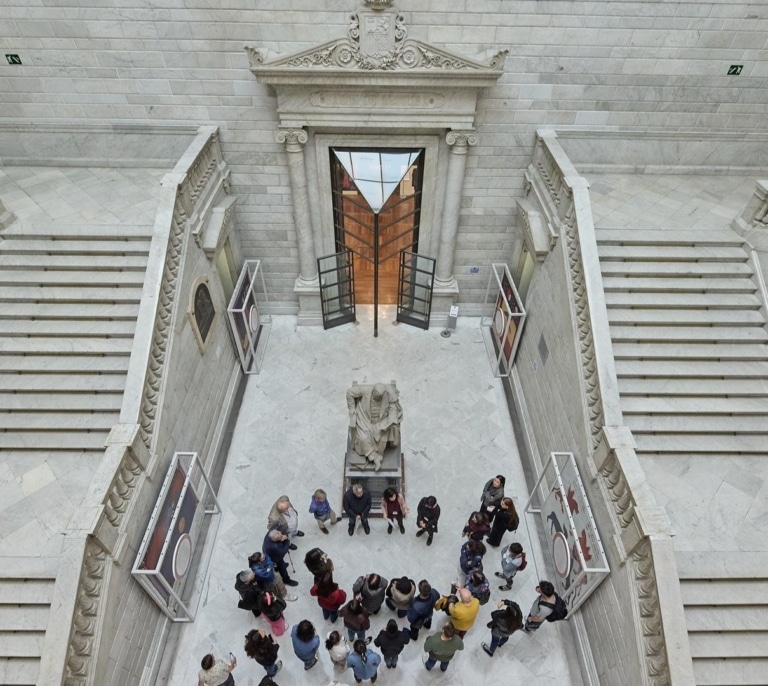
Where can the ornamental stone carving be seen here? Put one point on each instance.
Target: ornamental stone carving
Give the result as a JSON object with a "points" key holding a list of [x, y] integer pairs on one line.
{"points": [[461, 139]]}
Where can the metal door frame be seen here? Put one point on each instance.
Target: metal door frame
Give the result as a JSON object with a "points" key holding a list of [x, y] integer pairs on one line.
{"points": [[344, 283], [406, 289]]}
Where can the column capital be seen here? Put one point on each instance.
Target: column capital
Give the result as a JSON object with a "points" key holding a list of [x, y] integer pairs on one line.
{"points": [[294, 139], [459, 140]]}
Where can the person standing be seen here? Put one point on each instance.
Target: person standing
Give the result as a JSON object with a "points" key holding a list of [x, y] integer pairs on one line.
{"points": [[477, 526], [477, 584], [507, 619], [512, 561], [272, 607], [427, 514], [357, 505], [338, 649], [391, 641], [471, 556], [493, 492], [355, 619], [318, 563], [249, 590], [506, 519], [542, 607], [262, 647], [276, 545], [283, 516], [264, 569], [400, 592], [463, 611], [442, 646], [421, 609], [364, 662], [371, 590], [216, 672], [305, 643], [329, 597], [322, 510], [393, 509]]}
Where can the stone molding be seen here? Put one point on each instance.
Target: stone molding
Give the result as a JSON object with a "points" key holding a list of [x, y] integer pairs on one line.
{"points": [[459, 141], [639, 526]]}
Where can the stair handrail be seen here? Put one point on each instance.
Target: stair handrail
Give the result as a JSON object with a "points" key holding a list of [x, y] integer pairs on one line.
{"points": [[643, 533], [95, 535]]}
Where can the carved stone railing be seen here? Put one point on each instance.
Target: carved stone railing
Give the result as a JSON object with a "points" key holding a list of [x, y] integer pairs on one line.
{"points": [[641, 530], [95, 538]]}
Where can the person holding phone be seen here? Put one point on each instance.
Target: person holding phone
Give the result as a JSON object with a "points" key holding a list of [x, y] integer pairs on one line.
{"points": [[216, 672]]}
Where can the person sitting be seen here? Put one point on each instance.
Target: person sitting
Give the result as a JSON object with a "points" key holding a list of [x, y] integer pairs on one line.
{"points": [[393, 508]]}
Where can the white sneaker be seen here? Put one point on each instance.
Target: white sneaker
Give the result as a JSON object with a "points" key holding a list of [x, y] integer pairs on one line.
{"points": [[290, 597]]}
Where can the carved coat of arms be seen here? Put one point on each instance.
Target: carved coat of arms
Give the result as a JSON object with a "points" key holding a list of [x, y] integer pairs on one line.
{"points": [[377, 39]]}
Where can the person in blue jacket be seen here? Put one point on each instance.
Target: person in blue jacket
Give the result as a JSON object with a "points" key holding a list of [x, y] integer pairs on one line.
{"points": [[363, 662], [305, 643], [421, 607]]}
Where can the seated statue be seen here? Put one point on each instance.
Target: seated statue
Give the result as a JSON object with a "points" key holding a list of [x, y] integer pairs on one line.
{"points": [[374, 420]]}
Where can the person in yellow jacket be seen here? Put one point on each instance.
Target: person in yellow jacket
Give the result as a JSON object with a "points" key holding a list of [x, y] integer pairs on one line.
{"points": [[464, 611]]}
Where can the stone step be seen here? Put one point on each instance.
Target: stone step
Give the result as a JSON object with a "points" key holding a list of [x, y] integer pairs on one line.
{"points": [[699, 424], [724, 591], [74, 346], [683, 369], [17, 617], [57, 231], [660, 301], [21, 671], [687, 334], [655, 405], [49, 401], [727, 565], [21, 643], [740, 318], [58, 421], [70, 364], [673, 444], [66, 294], [677, 387], [636, 284], [62, 383], [735, 672], [711, 270], [727, 618], [744, 644], [687, 237], [690, 351], [81, 441], [91, 278], [68, 311], [94, 246], [115, 263], [26, 591], [671, 253], [68, 329]]}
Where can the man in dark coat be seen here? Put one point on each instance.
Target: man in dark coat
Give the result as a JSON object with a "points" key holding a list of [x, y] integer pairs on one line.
{"points": [[357, 505], [247, 586], [276, 545], [504, 622]]}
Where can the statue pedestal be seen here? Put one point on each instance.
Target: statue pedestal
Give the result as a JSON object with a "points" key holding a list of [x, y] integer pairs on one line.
{"points": [[357, 470]]}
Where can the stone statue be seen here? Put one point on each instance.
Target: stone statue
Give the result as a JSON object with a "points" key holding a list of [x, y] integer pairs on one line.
{"points": [[374, 420]]}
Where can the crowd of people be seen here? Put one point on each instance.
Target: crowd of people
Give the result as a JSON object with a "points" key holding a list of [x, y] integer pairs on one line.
{"points": [[262, 590]]}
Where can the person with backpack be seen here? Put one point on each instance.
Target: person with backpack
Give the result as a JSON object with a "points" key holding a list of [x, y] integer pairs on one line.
{"points": [[272, 607], [507, 619], [506, 519], [421, 608], [478, 586], [548, 607], [512, 561]]}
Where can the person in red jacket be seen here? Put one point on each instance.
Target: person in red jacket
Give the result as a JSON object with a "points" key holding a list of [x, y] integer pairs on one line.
{"points": [[329, 596]]}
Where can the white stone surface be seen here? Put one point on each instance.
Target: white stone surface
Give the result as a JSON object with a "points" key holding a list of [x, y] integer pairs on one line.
{"points": [[290, 438]]}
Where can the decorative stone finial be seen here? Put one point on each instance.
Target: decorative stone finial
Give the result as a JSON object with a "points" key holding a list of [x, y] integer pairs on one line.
{"points": [[378, 4]]}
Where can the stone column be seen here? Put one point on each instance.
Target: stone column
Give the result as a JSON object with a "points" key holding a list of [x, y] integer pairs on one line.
{"points": [[459, 142], [294, 140]]}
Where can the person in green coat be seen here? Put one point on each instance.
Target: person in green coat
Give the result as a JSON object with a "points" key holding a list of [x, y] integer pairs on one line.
{"points": [[442, 647]]}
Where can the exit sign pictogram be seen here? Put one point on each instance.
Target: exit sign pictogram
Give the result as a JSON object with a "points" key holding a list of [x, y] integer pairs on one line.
{"points": [[13, 59], [735, 69]]}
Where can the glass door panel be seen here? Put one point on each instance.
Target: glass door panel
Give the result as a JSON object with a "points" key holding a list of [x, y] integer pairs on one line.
{"points": [[337, 288]]}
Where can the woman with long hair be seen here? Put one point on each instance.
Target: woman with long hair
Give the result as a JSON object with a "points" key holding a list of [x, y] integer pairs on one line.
{"points": [[393, 509], [364, 662], [262, 647], [329, 596], [355, 619], [506, 519], [477, 526]]}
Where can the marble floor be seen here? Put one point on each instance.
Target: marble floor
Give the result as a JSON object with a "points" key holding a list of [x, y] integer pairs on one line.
{"points": [[290, 438]]}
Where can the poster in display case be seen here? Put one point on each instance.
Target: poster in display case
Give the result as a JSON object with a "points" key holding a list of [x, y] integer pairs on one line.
{"points": [[248, 316], [505, 325]]}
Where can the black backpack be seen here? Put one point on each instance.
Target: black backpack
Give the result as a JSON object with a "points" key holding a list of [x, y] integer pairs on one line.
{"points": [[559, 609]]}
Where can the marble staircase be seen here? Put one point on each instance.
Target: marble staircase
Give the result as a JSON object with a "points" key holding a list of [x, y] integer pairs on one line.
{"points": [[69, 297], [689, 336]]}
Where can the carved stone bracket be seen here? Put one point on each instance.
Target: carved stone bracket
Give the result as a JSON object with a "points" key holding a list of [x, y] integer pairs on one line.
{"points": [[460, 141], [293, 139]]}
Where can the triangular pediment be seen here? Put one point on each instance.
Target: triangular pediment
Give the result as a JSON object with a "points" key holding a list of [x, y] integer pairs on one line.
{"points": [[376, 41]]}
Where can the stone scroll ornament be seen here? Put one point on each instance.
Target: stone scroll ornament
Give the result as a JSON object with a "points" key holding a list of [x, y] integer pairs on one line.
{"points": [[376, 40]]}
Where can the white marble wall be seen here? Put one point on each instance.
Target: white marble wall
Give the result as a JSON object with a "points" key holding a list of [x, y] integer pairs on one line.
{"points": [[621, 64]]}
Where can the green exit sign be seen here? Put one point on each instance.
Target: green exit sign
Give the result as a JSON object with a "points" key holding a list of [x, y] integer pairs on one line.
{"points": [[735, 69], [13, 59]]}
